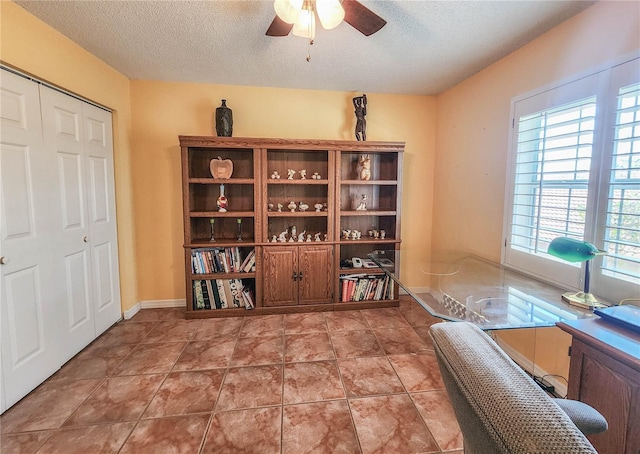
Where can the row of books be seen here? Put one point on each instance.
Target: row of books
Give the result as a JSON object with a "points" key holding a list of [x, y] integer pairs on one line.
{"points": [[222, 260], [221, 294], [361, 287]]}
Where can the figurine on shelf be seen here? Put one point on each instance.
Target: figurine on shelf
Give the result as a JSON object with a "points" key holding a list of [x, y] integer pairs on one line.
{"points": [[325, 206], [301, 237], [316, 237], [211, 222], [364, 168], [362, 206], [308, 238], [280, 206], [303, 174], [383, 234], [270, 207], [316, 176], [294, 231], [275, 175], [318, 207], [292, 206], [346, 234], [282, 238], [274, 239], [290, 174], [222, 201], [303, 206]]}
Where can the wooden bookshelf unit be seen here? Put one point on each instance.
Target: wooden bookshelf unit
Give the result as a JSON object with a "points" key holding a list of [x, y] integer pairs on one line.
{"points": [[295, 213]]}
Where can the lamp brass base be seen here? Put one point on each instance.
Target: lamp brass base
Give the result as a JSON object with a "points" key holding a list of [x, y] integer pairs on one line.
{"points": [[582, 299]]}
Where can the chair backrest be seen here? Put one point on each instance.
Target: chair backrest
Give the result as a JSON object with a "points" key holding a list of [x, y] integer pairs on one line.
{"points": [[498, 406]]}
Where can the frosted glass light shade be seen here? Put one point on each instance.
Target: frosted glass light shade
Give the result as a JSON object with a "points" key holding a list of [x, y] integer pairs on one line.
{"points": [[305, 26], [288, 10], [330, 12]]}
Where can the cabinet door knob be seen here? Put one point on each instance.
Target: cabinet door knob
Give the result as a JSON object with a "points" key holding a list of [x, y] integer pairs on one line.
{"points": [[294, 276], [300, 275], [85, 239], [3, 260]]}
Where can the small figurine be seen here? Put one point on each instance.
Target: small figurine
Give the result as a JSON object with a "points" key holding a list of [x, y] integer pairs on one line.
{"points": [[282, 238], [308, 238], [317, 236], [325, 207], [275, 175], [326, 236], [318, 207], [301, 237], [346, 234], [292, 206], [280, 207], [270, 207], [364, 167], [290, 174], [274, 239], [360, 106], [303, 174], [362, 206], [303, 206], [222, 201], [316, 176], [294, 231], [383, 234]]}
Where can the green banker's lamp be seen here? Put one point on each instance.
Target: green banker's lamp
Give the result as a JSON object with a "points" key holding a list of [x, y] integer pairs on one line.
{"points": [[574, 251]]}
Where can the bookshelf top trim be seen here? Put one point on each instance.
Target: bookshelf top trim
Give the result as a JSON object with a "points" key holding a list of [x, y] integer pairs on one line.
{"points": [[290, 144]]}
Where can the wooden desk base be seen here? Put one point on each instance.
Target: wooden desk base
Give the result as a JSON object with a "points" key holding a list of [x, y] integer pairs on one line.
{"points": [[605, 373]]}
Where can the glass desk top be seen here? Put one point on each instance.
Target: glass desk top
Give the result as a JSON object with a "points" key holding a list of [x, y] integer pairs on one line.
{"points": [[465, 287]]}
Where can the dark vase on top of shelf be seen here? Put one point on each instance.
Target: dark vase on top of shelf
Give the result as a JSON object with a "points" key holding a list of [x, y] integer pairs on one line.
{"points": [[224, 120]]}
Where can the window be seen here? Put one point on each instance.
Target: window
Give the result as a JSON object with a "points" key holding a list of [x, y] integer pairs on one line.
{"points": [[575, 171]]}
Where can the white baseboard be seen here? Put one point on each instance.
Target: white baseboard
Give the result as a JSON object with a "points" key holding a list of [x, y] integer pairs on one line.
{"points": [[526, 364], [153, 304]]}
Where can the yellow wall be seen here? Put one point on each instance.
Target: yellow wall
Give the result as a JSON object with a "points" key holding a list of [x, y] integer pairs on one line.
{"points": [[28, 44], [473, 130], [164, 110]]}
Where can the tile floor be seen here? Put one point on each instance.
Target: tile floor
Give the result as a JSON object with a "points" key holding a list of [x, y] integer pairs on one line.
{"points": [[335, 382]]}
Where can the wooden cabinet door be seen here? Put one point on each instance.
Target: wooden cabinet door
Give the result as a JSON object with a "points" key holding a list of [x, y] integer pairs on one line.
{"points": [[280, 286], [613, 389], [315, 274]]}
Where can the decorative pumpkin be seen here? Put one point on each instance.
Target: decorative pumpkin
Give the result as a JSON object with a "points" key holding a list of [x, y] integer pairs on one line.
{"points": [[221, 168]]}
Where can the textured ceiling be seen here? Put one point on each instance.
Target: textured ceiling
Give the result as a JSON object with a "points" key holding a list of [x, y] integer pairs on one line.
{"points": [[425, 48]]}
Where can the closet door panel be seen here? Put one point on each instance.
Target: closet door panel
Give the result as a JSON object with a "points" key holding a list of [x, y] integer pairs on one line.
{"points": [[28, 316], [64, 138], [102, 216]]}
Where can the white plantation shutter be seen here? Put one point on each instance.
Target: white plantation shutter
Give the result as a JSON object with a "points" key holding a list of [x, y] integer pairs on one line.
{"points": [[622, 225], [575, 171], [553, 161]]}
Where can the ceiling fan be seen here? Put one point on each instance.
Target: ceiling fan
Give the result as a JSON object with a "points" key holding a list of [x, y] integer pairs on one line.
{"points": [[299, 15]]}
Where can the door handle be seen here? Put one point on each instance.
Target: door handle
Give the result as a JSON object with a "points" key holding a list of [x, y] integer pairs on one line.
{"points": [[85, 239], [3, 260]]}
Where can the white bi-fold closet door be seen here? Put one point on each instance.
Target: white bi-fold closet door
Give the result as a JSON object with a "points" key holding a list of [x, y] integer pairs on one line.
{"points": [[59, 270]]}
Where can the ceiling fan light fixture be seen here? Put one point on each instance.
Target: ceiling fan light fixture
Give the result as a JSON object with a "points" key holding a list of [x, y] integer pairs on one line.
{"points": [[305, 26], [330, 13], [288, 10]]}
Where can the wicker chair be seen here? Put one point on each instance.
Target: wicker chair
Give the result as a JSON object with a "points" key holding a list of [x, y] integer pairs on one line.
{"points": [[499, 408]]}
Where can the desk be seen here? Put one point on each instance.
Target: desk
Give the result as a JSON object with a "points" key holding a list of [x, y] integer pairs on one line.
{"points": [[465, 287], [604, 372]]}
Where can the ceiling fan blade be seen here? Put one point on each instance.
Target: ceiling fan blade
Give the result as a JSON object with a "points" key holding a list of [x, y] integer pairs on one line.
{"points": [[279, 27], [362, 18]]}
